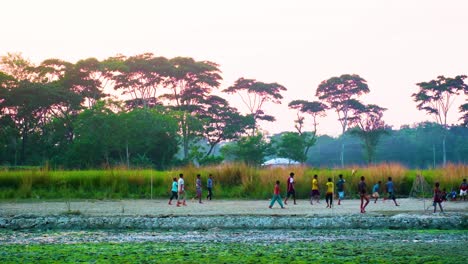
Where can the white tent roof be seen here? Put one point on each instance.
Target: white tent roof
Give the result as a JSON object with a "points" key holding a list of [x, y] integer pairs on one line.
{"points": [[280, 161]]}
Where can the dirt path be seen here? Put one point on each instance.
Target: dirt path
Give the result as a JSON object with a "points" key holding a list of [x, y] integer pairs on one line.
{"points": [[220, 207]]}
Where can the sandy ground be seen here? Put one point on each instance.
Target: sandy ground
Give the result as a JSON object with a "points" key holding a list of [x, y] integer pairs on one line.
{"points": [[221, 207]]}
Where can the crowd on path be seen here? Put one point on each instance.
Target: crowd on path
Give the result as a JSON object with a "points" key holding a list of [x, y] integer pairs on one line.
{"points": [[439, 196]]}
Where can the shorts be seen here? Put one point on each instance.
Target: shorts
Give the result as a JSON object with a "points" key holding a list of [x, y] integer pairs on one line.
{"points": [[391, 195], [315, 193], [341, 195], [198, 191], [463, 192], [375, 195], [292, 192]]}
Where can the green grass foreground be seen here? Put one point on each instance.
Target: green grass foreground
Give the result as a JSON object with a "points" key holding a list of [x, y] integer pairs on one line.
{"points": [[317, 252], [230, 181]]}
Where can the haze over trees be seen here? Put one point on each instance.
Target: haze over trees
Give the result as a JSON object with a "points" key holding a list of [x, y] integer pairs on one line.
{"points": [[148, 110]]}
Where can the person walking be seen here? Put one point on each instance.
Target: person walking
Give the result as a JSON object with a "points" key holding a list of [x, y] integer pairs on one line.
{"points": [[329, 194], [437, 198], [291, 188], [198, 187], [174, 190], [340, 188], [376, 190], [315, 194], [209, 186], [391, 190], [363, 194], [463, 190], [181, 191], [276, 196]]}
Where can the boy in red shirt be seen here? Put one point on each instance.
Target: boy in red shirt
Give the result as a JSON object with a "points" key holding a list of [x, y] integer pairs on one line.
{"points": [[276, 196]]}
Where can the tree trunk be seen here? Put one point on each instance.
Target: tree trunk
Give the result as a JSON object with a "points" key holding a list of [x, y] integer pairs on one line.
{"points": [[342, 153], [444, 153]]}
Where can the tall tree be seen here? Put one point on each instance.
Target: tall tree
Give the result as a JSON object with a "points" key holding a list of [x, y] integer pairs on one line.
{"points": [[222, 122], [14, 64], [369, 127], [254, 95], [315, 109], [139, 78], [436, 98], [251, 150], [190, 82], [340, 94]]}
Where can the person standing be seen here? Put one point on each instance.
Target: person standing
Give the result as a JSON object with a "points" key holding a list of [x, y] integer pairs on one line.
{"points": [[174, 190], [463, 190], [375, 191], [209, 186], [291, 188], [437, 198], [340, 188], [181, 190], [391, 190], [315, 190], [198, 187], [363, 194], [276, 196], [329, 194]]}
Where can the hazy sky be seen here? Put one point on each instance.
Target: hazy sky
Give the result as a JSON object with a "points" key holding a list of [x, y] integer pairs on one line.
{"points": [[392, 44]]}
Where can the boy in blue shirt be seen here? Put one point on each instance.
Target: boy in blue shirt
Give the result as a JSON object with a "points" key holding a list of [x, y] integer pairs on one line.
{"points": [[391, 190], [174, 190], [375, 191]]}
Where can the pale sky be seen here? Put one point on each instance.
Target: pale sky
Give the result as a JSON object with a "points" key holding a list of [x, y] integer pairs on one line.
{"points": [[392, 44]]}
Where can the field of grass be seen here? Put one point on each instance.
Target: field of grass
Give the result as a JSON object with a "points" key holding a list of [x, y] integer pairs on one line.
{"points": [[231, 181], [300, 252]]}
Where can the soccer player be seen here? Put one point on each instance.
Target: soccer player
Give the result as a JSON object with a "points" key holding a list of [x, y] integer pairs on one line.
{"points": [[276, 196], [463, 190], [329, 195], [375, 191], [209, 186], [173, 190], [391, 190], [363, 194], [340, 188], [315, 190], [181, 191], [291, 188]]}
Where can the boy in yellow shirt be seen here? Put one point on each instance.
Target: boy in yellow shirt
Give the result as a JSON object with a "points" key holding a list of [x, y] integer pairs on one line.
{"points": [[329, 195], [315, 194]]}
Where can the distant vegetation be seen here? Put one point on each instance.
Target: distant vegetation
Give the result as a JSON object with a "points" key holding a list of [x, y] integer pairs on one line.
{"points": [[237, 181], [168, 114]]}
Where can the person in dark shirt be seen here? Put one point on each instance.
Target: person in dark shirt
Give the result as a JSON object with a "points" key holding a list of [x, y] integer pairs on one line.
{"points": [[291, 188], [363, 194], [209, 186], [391, 190], [437, 198], [340, 188]]}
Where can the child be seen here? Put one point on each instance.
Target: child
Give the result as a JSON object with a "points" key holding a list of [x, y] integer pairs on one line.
{"points": [[181, 190], [391, 190], [315, 190], [340, 188], [463, 190], [363, 194], [198, 186], [375, 191], [291, 188], [437, 198], [209, 186], [173, 190], [453, 195], [329, 195], [276, 196]]}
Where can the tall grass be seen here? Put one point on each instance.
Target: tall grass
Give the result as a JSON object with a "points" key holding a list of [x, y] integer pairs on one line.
{"points": [[230, 181]]}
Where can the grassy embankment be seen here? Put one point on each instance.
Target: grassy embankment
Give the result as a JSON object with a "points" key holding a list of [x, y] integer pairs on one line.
{"points": [[231, 181]]}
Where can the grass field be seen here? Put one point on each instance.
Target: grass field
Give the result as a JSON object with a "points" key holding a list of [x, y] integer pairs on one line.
{"points": [[231, 181], [297, 252]]}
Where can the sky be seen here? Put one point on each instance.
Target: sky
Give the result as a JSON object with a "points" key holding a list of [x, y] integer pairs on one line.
{"points": [[392, 44]]}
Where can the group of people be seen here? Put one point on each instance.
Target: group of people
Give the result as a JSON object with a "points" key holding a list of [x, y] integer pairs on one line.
{"points": [[178, 189], [330, 187]]}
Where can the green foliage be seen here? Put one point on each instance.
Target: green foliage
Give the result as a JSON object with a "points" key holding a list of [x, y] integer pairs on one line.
{"points": [[230, 181], [373, 249], [251, 150]]}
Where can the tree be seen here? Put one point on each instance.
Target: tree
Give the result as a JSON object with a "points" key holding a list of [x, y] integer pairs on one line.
{"points": [[251, 150], [18, 67], [291, 146], [254, 95], [190, 82], [340, 94], [139, 77], [436, 98], [315, 109], [222, 122], [369, 127]]}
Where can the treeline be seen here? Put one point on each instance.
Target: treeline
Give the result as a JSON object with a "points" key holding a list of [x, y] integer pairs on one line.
{"points": [[167, 113]]}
